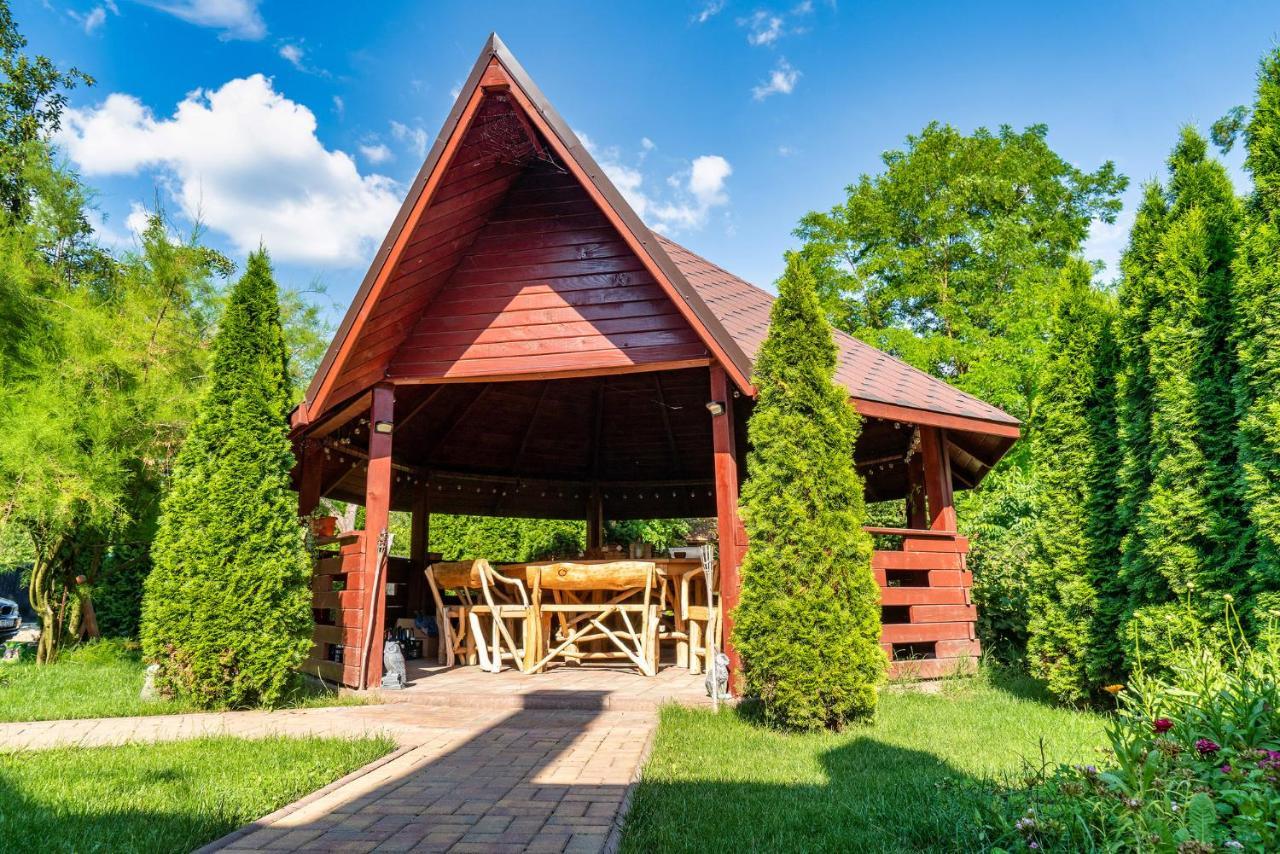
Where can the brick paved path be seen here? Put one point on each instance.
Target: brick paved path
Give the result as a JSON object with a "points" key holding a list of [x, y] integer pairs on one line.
{"points": [[464, 780]]}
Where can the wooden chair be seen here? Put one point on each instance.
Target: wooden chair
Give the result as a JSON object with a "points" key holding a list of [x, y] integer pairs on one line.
{"points": [[634, 637], [696, 628], [486, 595]]}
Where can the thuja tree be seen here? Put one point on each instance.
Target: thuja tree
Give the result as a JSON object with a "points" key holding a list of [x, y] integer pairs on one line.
{"points": [[1133, 390], [808, 623], [1184, 526], [1074, 469], [1258, 336], [226, 612]]}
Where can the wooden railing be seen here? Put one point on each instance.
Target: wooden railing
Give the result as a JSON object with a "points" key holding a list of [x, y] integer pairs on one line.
{"points": [[927, 614], [337, 591]]}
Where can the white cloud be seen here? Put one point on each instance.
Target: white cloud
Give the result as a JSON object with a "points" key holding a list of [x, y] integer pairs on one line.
{"points": [[237, 19], [245, 161], [786, 151], [765, 28], [138, 219], [415, 138], [709, 11], [375, 153], [691, 195], [95, 17], [339, 106], [293, 54], [782, 80], [454, 91]]}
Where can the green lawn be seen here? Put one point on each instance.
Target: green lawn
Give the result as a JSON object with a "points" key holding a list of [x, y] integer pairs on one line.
{"points": [[172, 796], [724, 783], [100, 680]]}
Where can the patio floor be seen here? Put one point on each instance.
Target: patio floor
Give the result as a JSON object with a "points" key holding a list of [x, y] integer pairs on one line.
{"points": [[586, 688]]}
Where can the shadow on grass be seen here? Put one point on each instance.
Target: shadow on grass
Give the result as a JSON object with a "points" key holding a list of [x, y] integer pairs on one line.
{"points": [[758, 793]]}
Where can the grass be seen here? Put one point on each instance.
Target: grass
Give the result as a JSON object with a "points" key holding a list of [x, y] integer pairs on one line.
{"points": [[102, 680], [901, 783], [172, 796]]}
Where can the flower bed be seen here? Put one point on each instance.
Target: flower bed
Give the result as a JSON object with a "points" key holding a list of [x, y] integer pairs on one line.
{"points": [[1193, 766]]}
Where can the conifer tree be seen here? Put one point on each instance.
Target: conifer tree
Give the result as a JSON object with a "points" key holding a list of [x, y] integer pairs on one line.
{"points": [[1258, 336], [808, 624], [226, 612], [1134, 395], [1074, 469], [1186, 520]]}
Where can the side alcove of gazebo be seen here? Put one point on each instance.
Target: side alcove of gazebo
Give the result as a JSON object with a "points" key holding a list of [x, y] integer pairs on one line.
{"points": [[524, 346]]}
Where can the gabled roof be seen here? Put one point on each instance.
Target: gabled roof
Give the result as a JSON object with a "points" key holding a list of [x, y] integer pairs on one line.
{"points": [[462, 182]]}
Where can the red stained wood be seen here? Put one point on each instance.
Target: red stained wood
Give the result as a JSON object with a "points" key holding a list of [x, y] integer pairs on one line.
{"points": [[938, 613], [934, 544], [937, 479], [923, 596], [377, 514], [916, 560], [958, 648], [348, 636], [727, 522], [924, 632]]}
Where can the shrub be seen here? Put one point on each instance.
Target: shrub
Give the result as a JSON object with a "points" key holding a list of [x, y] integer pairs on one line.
{"points": [[226, 612], [808, 625], [1156, 635], [1194, 765]]}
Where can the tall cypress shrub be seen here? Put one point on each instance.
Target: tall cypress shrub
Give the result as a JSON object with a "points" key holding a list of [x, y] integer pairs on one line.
{"points": [[808, 623], [1258, 338], [226, 611], [1139, 581], [1074, 470], [1187, 516]]}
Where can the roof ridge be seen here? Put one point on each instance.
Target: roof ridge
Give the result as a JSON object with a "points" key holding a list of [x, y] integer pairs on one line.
{"points": [[840, 333]]}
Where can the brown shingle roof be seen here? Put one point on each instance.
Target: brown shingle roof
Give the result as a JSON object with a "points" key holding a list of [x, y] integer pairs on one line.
{"points": [[868, 373]]}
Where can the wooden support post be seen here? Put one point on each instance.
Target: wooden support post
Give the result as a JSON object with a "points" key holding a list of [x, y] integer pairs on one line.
{"points": [[377, 512], [420, 532], [309, 477], [937, 478], [917, 514], [595, 522], [732, 539]]}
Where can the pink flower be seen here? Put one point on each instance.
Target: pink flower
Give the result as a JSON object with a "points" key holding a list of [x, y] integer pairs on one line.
{"points": [[1207, 746], [1226, 768], [1162, 725]]}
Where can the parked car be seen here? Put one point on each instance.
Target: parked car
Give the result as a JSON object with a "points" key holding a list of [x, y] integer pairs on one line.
{"points": [[10, 619]]}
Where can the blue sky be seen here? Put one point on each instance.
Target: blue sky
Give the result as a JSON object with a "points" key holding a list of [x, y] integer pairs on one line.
{"points": [[301, 124]]}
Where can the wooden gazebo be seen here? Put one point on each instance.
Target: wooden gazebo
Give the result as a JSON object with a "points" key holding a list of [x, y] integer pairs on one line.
{"points": [[523, 345]]}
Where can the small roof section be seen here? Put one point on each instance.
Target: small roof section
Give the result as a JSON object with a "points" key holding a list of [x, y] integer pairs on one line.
{"points": [[433, 230], [871, 376]]}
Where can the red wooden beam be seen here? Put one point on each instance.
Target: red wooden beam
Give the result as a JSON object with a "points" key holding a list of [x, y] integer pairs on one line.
{"points": [[377, 511], [732, 540], [937, 479], [309, 480]]}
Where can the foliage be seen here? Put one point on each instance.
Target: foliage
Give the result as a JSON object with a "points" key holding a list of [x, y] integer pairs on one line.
{"points": [[1194, 766], [1155, 634], [1258, 334], [808, 623], [227, 612], [33, 94], [1072, 433], [1001, 522], [507, 540], [173, 796], [1186, 529], [949, 257], [901, 783]]}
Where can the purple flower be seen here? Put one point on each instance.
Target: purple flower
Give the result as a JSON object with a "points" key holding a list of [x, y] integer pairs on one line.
{"points": [[1226, 768], [1033, 845], [1207, 746], [1162, 725]]}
